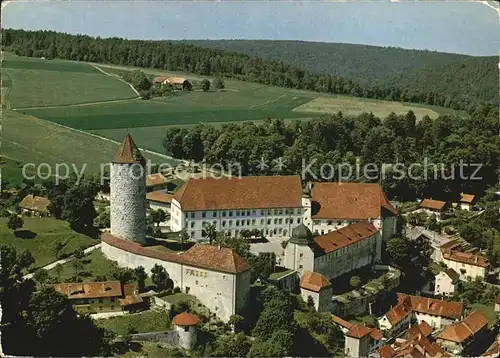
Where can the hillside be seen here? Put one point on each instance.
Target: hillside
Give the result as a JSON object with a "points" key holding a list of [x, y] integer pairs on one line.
{"points": [[458, 76]]}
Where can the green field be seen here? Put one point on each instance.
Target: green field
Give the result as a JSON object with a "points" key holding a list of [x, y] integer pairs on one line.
{"points": [[39, 83], [79, 96], [26, 139], [94, 264], [148, 321], [39, 236]]}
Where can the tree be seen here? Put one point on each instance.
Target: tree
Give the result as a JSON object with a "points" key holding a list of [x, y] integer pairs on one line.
{"points": [[79, 253], [140, 276], [159, 276], [355, 281], [78, 206], [205, 85], [58, 269], [209, 231], [310, 302], [183, 238], [26, 259], [41, 276], [235, 320], [158, 216], [77, 265], [58, 246], [398, 250], [218, 83], [15, 222]]}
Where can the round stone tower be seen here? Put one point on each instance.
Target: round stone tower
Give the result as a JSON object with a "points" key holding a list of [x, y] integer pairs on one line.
{"points": [[185, 326], [128, 193]]}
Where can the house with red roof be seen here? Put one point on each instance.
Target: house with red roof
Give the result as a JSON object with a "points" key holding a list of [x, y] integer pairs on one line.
{"points": [[361, 340], [319, 288]]}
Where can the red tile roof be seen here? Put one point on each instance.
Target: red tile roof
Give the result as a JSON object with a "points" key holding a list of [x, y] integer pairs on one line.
{"points": [[160, 197], [200, 255], [314, 281], [376, 334], [450, 245], [176, 80], [214, 258], [155, 179], [240, 193], [466, 198], [466, 258], [341, 322], [398, 313], [432, 204], [349, 201], [386, 352], [128, 153], [460, 331], [347, 235], [160, 79], [89, 289], [358, 331], [35, 203], [423, 329], [186, 319], [432, 306]]}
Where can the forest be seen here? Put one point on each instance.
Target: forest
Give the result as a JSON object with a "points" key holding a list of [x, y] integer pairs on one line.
{"points": [[179, 56], [336, 139], [461, 78]]}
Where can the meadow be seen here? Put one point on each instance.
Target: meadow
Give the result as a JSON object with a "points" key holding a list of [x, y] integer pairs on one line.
{"points": [[27, 139], [38, 235], [39, 83], [79, 96]]}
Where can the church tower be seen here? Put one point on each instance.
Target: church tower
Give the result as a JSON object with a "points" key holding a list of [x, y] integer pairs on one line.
{"points": [[128, 193], [299, 250]]}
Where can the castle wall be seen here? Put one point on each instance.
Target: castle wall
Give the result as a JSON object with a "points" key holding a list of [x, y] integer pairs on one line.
{"points": [[128, 202]]}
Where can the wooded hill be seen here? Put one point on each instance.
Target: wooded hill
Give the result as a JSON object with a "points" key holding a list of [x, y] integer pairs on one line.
{"points": [[459, 77], [186, 57]]}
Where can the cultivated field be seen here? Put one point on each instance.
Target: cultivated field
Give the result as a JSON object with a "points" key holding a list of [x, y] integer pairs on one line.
{"points": [[26, 139], [39, 83], [354, 106], [79, 96]]}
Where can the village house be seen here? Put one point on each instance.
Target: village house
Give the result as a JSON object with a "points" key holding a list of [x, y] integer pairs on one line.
{"points": [[436, 240], [466, 201], [177, 83], [361, 340], [159, 200], [436, 313], [469, 266], [316, 286], [156, 182], [431, 206], [335, 253], [458, 338], [107, 296], [447, 282], [35, 205]]}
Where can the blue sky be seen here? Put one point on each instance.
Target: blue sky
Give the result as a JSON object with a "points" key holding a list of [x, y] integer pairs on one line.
{"points": [[465, 27]]}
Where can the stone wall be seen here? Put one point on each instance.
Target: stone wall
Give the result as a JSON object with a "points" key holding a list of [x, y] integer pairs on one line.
{"points": [[170, 338], [128, 202]]}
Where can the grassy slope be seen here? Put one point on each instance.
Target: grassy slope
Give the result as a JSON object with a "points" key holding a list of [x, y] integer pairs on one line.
{"points": [[47, 231], [26, 139], [94, 264], [36, 82], [148, 321]]}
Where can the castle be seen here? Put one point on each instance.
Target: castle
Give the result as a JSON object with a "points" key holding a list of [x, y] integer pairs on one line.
{"points": [[218, 277]]}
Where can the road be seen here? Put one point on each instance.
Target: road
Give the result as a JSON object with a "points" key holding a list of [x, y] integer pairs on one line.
{"points": [[63, 261]]}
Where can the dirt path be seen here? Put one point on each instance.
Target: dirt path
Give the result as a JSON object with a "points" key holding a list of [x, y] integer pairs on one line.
{"points": [[117, 78], [267, 102], [77, 104]]}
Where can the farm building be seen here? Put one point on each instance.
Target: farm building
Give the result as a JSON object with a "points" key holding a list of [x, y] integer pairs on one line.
{"points": [[466, 201], [433, 206], [155, 182], [35, 205], [178, 83]]}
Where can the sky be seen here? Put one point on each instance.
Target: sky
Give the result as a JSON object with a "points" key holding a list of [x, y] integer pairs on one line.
{"points": [[461, 27]]}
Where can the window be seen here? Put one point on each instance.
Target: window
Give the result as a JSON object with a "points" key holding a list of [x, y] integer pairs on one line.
{"points": [[112, 307], [237, 223], [275, 221], [187, 289], [300, 266], [268, 221], [330, 222], [113, 299], [280, 212], [224, 223], [301, 255], [192, 215], [280, 231], [275, 211], [253, 221], [223, 214], [214, 214], [269, 212], [196, 282], [192, 224], [100, 300], [203, 214], [186, 215], [230, 222], [317, 222], [298, 220], [254, 212], [230, 213], [339, 222], [262, 221], [262, 212], [248, 213], [280, 221], [286, 221], [237, 213], [248, 221], [186, 328]]}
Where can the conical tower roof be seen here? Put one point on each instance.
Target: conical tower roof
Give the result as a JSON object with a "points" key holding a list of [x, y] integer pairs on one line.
{"points": [[128, 153], [301, 235]]}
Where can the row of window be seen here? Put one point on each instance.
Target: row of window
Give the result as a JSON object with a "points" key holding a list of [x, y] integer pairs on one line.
{"points": [[251, 222], [267, 232], [243, 213]]}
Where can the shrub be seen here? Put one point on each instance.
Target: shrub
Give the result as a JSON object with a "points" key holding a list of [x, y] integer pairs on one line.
{"points": [[177, 289]]}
